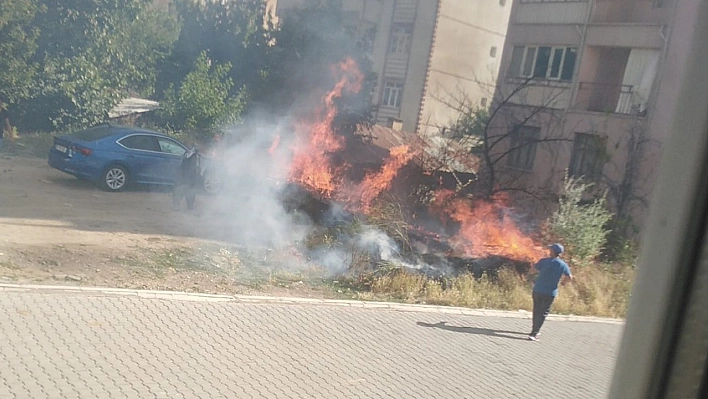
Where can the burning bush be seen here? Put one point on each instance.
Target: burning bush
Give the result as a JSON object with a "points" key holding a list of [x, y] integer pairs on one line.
{"points": [[474, 230], [387, 215]]}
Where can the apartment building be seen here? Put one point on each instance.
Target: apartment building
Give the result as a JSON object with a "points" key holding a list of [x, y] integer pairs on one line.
{"points": [[428, 54], [589, 86]]}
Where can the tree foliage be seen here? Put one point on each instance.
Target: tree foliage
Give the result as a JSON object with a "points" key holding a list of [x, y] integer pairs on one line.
{"points": [[82, 64], [228, 32], [580, 226], [203, 100], [68, 63], [148, 40], [471, 125], [83, 56], [17, 46]]}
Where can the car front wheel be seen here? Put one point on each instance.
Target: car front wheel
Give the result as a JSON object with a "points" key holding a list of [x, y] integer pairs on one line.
{"points": [[212, 182], [115, 178]]}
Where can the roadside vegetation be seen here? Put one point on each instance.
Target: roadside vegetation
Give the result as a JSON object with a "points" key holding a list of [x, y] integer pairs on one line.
{"points": [[212, 64], [602, 288]]}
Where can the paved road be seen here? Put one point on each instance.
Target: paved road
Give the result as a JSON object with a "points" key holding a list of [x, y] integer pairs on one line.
{"points": [[77, 345]]}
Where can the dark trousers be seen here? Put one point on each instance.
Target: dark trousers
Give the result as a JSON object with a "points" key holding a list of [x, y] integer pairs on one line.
{"points": [[187, 191], [541, 307]]}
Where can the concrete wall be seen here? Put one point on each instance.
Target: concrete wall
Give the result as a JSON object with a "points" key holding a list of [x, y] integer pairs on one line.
{"points": [[379, 13], [417, 68], [407, 68], [630, 11], [462, 64], [571, 12]]}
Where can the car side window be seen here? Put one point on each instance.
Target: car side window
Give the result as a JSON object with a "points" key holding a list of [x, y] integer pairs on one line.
{"points": [[141, 142], [171, 147]]}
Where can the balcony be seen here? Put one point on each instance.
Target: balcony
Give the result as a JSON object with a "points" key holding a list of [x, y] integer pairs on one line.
{"points": [[628, 23], [551, 12], [552, 94], [609, 98], [630, 12]]}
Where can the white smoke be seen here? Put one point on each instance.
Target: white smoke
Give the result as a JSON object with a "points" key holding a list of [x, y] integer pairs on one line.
{"points": [[377, 242], [249, 211]]}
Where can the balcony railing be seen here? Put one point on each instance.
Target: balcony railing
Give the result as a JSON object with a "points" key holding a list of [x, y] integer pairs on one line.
{"points": [[628, 11], [609, 98]]}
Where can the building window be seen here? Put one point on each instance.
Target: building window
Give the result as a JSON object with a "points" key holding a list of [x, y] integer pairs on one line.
{"points": [[502, 3], [493, 51], [401, 39], [545, 62], [483, 102], [588, 157], [522, 147], [366, 38], [392, 94]]}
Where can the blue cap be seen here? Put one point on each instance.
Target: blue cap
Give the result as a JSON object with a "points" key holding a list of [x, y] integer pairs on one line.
{"points": [[557, 248]]}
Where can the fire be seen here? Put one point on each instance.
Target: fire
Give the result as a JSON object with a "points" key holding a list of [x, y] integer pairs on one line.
{"points": [[274, 146], [486, 229], [315, 139], [374, 183]]}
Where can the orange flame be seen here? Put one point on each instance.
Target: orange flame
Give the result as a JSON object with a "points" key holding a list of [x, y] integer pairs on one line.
{"points": [[374, 183], [486, 229], [485, 226], [316, 140], [274, 146]]}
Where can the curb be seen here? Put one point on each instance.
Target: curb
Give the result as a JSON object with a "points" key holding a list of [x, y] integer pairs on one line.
{"points": [[399, 307]]}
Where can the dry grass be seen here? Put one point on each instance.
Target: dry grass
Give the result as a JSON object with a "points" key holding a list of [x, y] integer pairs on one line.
{"points": [[600, 292], [387, 215]]}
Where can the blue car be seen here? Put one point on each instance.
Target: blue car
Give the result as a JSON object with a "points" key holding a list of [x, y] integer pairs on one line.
{"points": [[115, 156]]}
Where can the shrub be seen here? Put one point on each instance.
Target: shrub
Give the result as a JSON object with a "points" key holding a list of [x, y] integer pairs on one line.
{"points": [[387, 215], [580, 226]]}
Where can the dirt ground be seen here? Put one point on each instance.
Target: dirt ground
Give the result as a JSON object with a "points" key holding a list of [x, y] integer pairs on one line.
{"points": [[56, 229]]}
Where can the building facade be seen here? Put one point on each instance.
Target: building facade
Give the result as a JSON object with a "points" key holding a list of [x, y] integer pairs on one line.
{"points": [[427, 54], [591, 85]]}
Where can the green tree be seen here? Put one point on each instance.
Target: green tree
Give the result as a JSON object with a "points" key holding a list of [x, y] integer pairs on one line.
{"points": [[147, 42], [89, 54], [471, 125], [17, 46], [229, 32], [203, 101], [579, 225]]}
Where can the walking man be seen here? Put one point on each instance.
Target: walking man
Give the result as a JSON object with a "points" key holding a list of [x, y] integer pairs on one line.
{"points": [[188, 179], [551, 270]]}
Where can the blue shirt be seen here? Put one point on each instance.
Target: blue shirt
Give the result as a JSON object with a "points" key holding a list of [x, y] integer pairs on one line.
{"points": [[550, 272]]}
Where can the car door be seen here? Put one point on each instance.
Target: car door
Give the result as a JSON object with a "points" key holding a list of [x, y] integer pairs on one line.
{"points": [[172, 153], [143, 157]]}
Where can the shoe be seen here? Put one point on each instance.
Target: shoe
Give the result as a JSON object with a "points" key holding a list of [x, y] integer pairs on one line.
{"points": [[533, 337]]}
